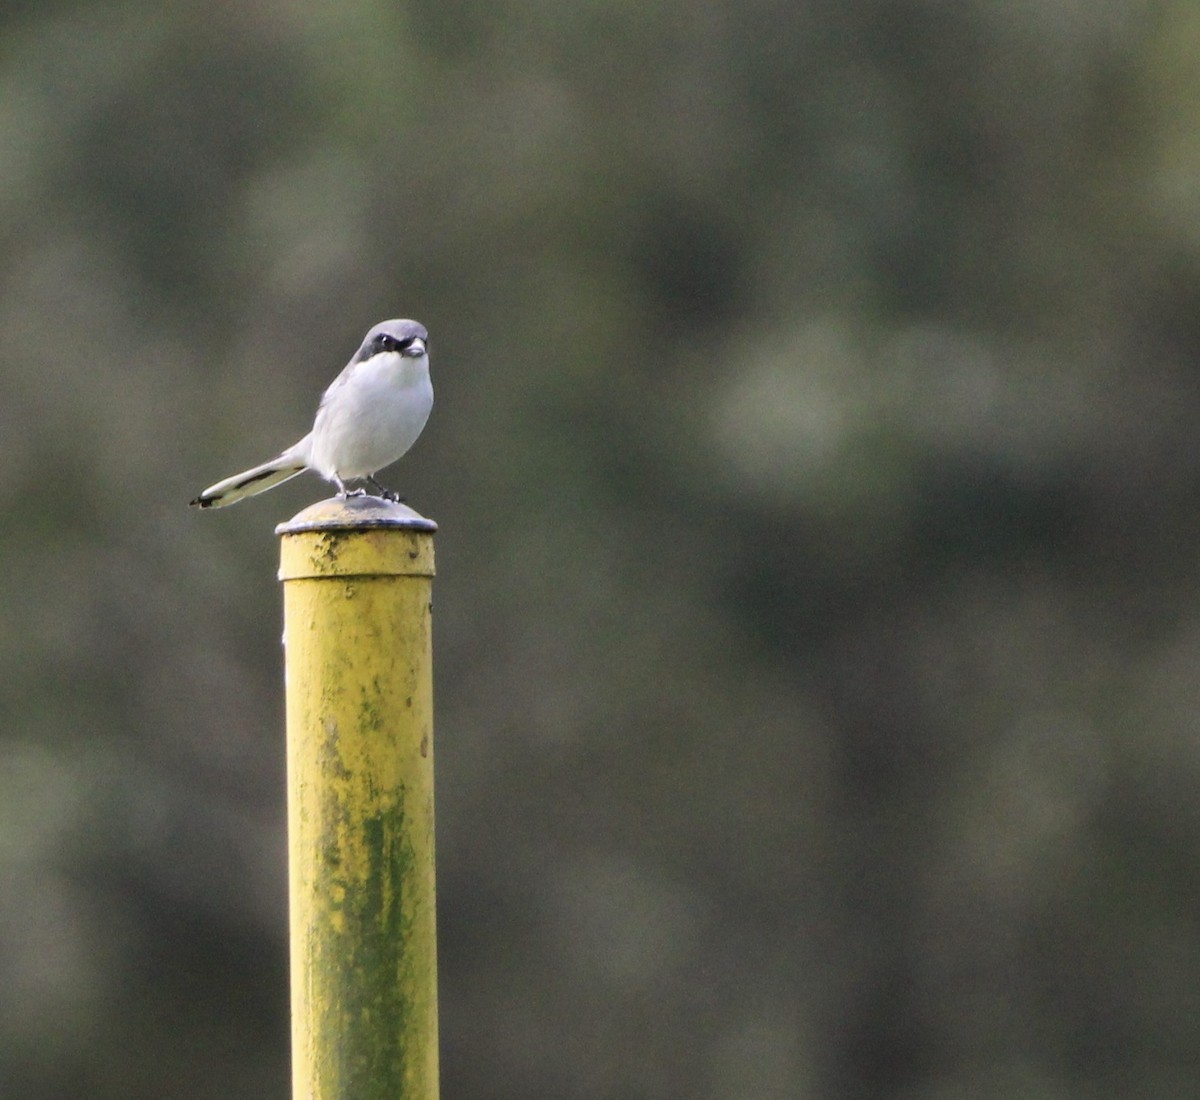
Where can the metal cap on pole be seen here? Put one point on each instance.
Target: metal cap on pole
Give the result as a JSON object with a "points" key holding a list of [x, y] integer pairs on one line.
{"points": [[357, 576]]}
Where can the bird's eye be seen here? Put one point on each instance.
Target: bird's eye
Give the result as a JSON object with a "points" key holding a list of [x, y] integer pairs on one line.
{"points": [[388, 343]]}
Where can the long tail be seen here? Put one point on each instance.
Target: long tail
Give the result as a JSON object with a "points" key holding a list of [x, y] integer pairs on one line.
{"points": [[258, 480]]}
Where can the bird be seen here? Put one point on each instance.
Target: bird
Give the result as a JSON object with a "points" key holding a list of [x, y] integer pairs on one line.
{"points": [[370, 416]]}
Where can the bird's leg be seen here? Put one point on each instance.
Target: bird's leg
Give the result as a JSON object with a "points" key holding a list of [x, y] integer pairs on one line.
{"points": [[387, 494], [345, 493]]}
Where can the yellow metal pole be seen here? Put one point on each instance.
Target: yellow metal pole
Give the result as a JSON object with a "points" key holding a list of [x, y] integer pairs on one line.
{"points": [[357, 577]]}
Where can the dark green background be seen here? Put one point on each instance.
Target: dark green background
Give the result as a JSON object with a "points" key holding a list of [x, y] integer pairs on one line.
{"points": [[816, 460]]}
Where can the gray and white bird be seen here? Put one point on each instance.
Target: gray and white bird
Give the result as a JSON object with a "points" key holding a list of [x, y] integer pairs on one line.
{"points": [[371, 414]]}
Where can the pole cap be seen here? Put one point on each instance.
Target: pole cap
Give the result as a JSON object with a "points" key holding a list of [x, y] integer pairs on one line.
{"points": [[356, 537], [355, 513]]}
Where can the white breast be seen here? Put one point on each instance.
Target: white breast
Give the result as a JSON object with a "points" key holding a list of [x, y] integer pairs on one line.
{"points": [[371, 415]]}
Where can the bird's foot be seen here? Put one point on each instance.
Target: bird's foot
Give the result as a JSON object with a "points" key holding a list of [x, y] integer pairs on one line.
{"points": [[385, 493]]}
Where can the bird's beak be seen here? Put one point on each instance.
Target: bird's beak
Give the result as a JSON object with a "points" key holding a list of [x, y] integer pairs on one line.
{"points": [[415, 350]]}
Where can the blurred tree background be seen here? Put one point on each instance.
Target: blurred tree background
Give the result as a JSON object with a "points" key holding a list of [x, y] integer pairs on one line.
{"points": [[815, 457]]}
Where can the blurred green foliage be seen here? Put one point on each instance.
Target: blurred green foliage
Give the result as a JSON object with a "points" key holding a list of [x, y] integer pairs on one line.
{"points": [[817, 618]]}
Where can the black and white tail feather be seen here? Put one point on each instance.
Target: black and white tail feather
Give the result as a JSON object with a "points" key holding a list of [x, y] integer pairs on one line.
{"points": [[369, 417], [257, 480]]}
